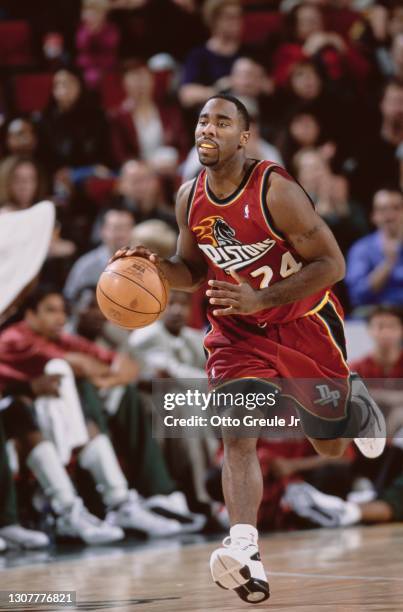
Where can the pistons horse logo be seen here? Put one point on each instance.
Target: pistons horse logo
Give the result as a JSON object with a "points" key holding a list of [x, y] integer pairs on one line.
{"points": [[216, 231], [216, 238]]}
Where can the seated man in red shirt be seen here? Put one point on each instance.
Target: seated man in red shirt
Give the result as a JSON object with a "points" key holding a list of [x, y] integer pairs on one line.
{"points": [[385, 326], [384, 365], [25, 350]]}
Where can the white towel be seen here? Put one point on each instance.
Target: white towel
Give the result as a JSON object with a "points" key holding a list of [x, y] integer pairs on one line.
{"points": [[61, 419]]}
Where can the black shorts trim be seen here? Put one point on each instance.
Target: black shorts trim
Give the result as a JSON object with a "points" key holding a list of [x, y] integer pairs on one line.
{"points": [[336, 327]]}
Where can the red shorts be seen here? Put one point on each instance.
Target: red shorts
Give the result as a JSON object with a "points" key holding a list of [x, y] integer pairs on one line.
{"points": [[306, 358]]}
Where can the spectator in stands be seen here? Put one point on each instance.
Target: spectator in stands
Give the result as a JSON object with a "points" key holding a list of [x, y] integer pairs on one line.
{"points": [[141, 126], [41, 457], [385, 326], [206, 67], [21, 183], [397, 56], [116, 232], [330, 194], [155, 235], [139, 191], [249, 82], [302, 131], [330, 511], [375, 263], [73, 132], [384, 166], [30, 347], [308, 38], [21, 138], [169, 345], [129, 424], [333, 109], [97, 42], [386, 23], [391, 60]]}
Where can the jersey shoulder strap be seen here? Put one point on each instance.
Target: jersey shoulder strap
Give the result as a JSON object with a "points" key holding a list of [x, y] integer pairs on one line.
{"points": [[273, 167], [191, 196]]}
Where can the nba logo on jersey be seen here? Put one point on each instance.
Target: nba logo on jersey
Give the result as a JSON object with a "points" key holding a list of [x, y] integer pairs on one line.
{"points": [[246, 211]]}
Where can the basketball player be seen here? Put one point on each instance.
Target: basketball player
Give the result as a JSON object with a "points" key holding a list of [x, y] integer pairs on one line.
{"points": [[272, 261]]}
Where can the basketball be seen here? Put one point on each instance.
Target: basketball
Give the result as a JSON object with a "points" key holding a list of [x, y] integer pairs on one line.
{"points": [[131, 292]]}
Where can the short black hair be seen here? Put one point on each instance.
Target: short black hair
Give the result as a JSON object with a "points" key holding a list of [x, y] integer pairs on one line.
{"points": [[386, 309], [39, 294], [241, 108]]}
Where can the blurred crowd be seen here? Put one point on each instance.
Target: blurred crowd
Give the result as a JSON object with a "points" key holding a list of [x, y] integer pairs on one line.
{"points": [[98, 102]]}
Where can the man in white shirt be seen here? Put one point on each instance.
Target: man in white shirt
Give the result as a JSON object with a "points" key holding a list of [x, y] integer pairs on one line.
{"points": [[169, 345], [116, 232]]}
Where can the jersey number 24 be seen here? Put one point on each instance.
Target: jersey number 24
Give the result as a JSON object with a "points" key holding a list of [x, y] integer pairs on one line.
{"points": [[288, 266]]}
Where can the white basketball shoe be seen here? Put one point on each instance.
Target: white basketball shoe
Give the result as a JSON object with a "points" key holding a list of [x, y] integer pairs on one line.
{"points": [[237, 566], [372, 435]]}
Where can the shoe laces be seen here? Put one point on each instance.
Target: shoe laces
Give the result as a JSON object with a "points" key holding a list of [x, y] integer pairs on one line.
{"points": [[242, 543]]}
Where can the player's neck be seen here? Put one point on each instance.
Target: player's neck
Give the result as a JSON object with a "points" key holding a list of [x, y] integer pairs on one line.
{"points": [[225, 179]]}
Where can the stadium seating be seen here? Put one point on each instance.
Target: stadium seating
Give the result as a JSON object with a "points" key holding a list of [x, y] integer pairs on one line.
{"points": [[32, 91], [15, 43]]}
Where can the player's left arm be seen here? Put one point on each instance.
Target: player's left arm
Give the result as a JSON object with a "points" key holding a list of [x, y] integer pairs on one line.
{"points": [[293, 216]]}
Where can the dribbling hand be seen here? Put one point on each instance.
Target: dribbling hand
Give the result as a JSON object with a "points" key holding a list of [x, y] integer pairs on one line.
{"points": [[240, 298], [139, 251]]}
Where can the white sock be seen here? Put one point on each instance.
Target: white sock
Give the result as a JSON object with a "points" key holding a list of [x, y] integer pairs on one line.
{"points": [[99, 458], [245, 531], [45, 464]]}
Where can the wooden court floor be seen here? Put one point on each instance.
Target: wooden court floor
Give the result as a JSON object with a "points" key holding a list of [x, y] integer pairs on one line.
{"points": [[354, 569]]}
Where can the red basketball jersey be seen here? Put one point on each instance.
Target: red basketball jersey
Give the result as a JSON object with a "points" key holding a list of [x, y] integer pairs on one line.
{"points": [[238, 232]]}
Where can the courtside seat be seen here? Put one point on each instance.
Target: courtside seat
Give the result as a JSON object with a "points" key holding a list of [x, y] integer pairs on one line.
{"points": [[32, 91], [15, 43]]}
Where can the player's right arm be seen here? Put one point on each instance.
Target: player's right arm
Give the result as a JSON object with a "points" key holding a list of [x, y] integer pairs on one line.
{"points": [[187, 270]]}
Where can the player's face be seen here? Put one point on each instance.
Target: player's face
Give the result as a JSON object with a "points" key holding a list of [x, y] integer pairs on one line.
{"points": [[386, 330], [219, 132], [49, 318]]}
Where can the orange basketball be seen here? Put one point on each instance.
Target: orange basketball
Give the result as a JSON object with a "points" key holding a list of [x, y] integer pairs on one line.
{"points": [[131, 292]]}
